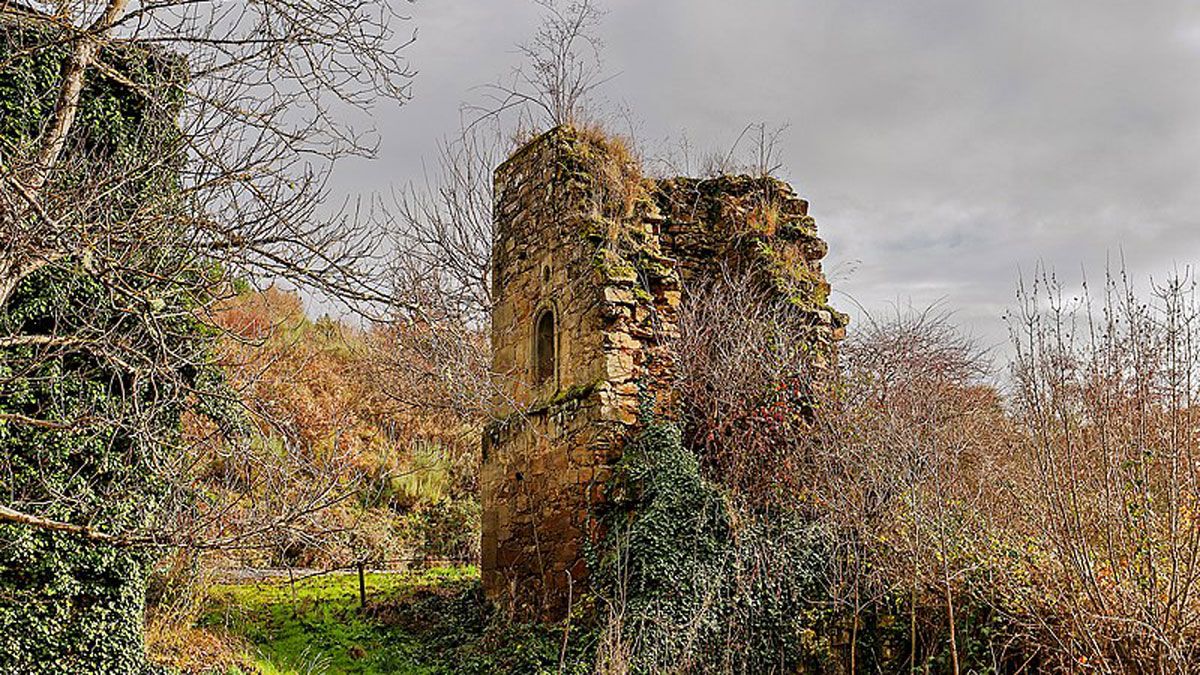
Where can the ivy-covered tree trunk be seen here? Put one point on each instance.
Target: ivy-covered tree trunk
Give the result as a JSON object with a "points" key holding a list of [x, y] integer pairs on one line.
{"points": [[67, 603], [96, 361]]}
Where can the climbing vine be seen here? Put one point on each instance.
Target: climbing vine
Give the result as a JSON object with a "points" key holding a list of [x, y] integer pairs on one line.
{"points": [[694, 583], [106, 419]]}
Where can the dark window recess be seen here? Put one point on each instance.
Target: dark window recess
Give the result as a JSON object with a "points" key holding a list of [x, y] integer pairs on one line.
{"points": [[544, 357]]}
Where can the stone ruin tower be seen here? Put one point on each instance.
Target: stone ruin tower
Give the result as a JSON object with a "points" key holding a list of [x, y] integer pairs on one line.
{"points": [[590, 264]]}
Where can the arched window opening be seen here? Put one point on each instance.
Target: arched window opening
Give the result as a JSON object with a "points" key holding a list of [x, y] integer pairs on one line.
{"points": [[543, 348]]}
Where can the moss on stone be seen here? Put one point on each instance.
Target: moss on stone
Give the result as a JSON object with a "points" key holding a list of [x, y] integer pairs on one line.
{"points": [[560, 398]]}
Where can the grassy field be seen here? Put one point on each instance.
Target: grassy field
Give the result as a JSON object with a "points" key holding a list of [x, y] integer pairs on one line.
{"points": [[430, 621]]}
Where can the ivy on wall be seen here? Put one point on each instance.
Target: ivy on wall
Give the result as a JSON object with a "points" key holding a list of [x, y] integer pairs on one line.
{"points": [[700, 585], [68, 604]]}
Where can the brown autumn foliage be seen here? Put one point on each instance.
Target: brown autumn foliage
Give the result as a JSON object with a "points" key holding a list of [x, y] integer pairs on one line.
{"points": [[396, 477], [1042, 522]]}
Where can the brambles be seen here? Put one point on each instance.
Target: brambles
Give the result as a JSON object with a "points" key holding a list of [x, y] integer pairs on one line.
{"points": [[924, 519]]}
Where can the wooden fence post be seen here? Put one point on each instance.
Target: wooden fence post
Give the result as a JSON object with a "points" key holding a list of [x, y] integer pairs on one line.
{"points": [[362, 586]]}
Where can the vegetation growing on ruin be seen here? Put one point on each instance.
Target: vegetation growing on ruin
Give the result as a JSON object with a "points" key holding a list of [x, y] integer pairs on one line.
{"points": [[690, 584]]}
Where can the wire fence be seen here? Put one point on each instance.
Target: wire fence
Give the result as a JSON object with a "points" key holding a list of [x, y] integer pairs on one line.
{"points": [[295, 575]]}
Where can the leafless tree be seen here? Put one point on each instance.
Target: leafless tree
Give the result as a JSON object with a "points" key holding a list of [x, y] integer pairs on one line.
{"points": [[444, 228], [268, 86], [1105, 391], [562, 68], [250, 105], [442, 231], [1061, 511], [896, 452]]}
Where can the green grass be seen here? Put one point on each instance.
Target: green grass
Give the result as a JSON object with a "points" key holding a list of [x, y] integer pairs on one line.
{"points": [[320, 628], [433, 621]]}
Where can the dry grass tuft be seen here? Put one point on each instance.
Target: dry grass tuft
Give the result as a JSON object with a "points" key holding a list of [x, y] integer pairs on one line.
{"points": [[187, 649]]}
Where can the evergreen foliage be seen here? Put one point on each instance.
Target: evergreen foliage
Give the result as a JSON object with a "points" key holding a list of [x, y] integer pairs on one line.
{"points": [[699, 584]]}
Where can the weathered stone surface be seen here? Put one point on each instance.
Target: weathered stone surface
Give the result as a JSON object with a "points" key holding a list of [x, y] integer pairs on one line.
{"points": [[580, 234]]}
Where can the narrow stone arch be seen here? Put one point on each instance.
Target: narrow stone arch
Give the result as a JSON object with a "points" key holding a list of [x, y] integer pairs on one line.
{"points": [[545, 347]]}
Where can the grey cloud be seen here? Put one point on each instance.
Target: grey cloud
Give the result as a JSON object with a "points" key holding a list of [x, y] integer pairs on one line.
{"points": [[944, 144]]}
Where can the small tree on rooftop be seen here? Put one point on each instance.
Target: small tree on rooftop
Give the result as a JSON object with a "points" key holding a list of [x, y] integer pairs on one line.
{"points": [[561, 69]]}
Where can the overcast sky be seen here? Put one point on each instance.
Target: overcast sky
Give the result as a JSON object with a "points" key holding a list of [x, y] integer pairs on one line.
{"points": [[946, 146]]}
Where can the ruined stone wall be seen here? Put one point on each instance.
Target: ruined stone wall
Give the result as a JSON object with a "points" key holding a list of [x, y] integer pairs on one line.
{"points": [[580, 233], [749, 225], [566, 207]]}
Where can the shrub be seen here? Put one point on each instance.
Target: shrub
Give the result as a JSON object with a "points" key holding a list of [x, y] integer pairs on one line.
{"points": [[694, 583]]}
